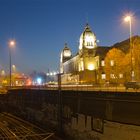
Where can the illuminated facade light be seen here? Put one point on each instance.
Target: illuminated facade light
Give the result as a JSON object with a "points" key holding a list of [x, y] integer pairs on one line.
{"points": [[91, 67]]}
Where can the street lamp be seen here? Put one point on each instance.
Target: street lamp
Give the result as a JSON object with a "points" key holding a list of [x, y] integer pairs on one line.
{"points": [[11, 44], [128, 19], [14, 68]]}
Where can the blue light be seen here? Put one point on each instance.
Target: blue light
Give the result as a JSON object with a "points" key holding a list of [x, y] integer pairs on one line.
{"points": [[39, 81]]}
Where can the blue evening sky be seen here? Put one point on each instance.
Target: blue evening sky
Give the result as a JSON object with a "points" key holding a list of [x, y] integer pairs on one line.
{"points": [[41, 27]]}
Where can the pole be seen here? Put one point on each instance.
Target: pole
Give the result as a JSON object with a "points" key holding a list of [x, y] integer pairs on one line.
{"points": [[131, 50], [59, 105], [10, 71], [11, 44]]}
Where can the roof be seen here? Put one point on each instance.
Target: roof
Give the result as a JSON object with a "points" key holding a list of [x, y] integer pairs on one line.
{"points": [[125, 45], [102, 50]]}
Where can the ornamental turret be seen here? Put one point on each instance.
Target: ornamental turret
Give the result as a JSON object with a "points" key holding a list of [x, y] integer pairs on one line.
{"points": [[87, 39], [65, 56]]}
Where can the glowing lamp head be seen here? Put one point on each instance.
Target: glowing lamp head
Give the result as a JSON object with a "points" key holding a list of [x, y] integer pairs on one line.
{"points": [[3, 72], [39, 81], [127, 18], [12, 43], [29, 82], [54, 73], [13, 66]]}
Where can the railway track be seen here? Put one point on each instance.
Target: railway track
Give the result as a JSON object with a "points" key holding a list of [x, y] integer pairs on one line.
{"points": [[14, 128]]}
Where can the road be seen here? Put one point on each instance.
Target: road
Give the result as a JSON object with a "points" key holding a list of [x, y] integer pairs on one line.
{"points": [[120, 88], [114, 89]]}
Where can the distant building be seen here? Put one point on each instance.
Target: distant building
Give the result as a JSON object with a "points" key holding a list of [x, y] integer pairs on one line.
{"points": [[87, 66]]}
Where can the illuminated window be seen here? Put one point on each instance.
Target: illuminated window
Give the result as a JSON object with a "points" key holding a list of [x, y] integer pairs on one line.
{"points": [[89, 44], [112, 76], [103, 76], [67, 53], [81, 66], [90, 41], [133, 74], [16, 82], [120, 75], [103, 63], [112, 63]]}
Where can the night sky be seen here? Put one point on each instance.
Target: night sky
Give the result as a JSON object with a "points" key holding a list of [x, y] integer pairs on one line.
{"points": [[41, 27]]}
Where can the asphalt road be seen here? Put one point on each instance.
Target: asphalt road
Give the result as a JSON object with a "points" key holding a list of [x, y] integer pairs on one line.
{"points": [[87, 88], [120, 88]]}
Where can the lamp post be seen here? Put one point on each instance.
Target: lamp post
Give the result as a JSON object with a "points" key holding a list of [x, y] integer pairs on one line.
{"points": [[60, 128], [128, 19], [11, 45]]}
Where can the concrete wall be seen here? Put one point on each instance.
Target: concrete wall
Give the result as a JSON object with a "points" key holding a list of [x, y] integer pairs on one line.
{"points": [[111, 130], [85, 115]]}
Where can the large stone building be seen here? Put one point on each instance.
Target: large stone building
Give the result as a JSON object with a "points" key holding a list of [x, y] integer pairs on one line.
{"points": [[87, 66], [95, 64]]}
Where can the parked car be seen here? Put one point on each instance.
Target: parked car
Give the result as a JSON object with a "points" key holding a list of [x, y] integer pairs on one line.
{"points": [[134, 85]]}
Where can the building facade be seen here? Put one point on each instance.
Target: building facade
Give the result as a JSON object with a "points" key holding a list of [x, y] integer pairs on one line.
{"points": [[87, 66]]}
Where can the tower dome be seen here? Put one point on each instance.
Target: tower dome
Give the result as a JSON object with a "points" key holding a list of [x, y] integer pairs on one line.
{"points": [[66, 53], [87, 39]]}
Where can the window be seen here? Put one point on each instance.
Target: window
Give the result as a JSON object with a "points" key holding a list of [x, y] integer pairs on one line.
{"points": [[89, 44], [120, 75], [112, 76], [112, 63], [103, 63], [103, 76]]}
